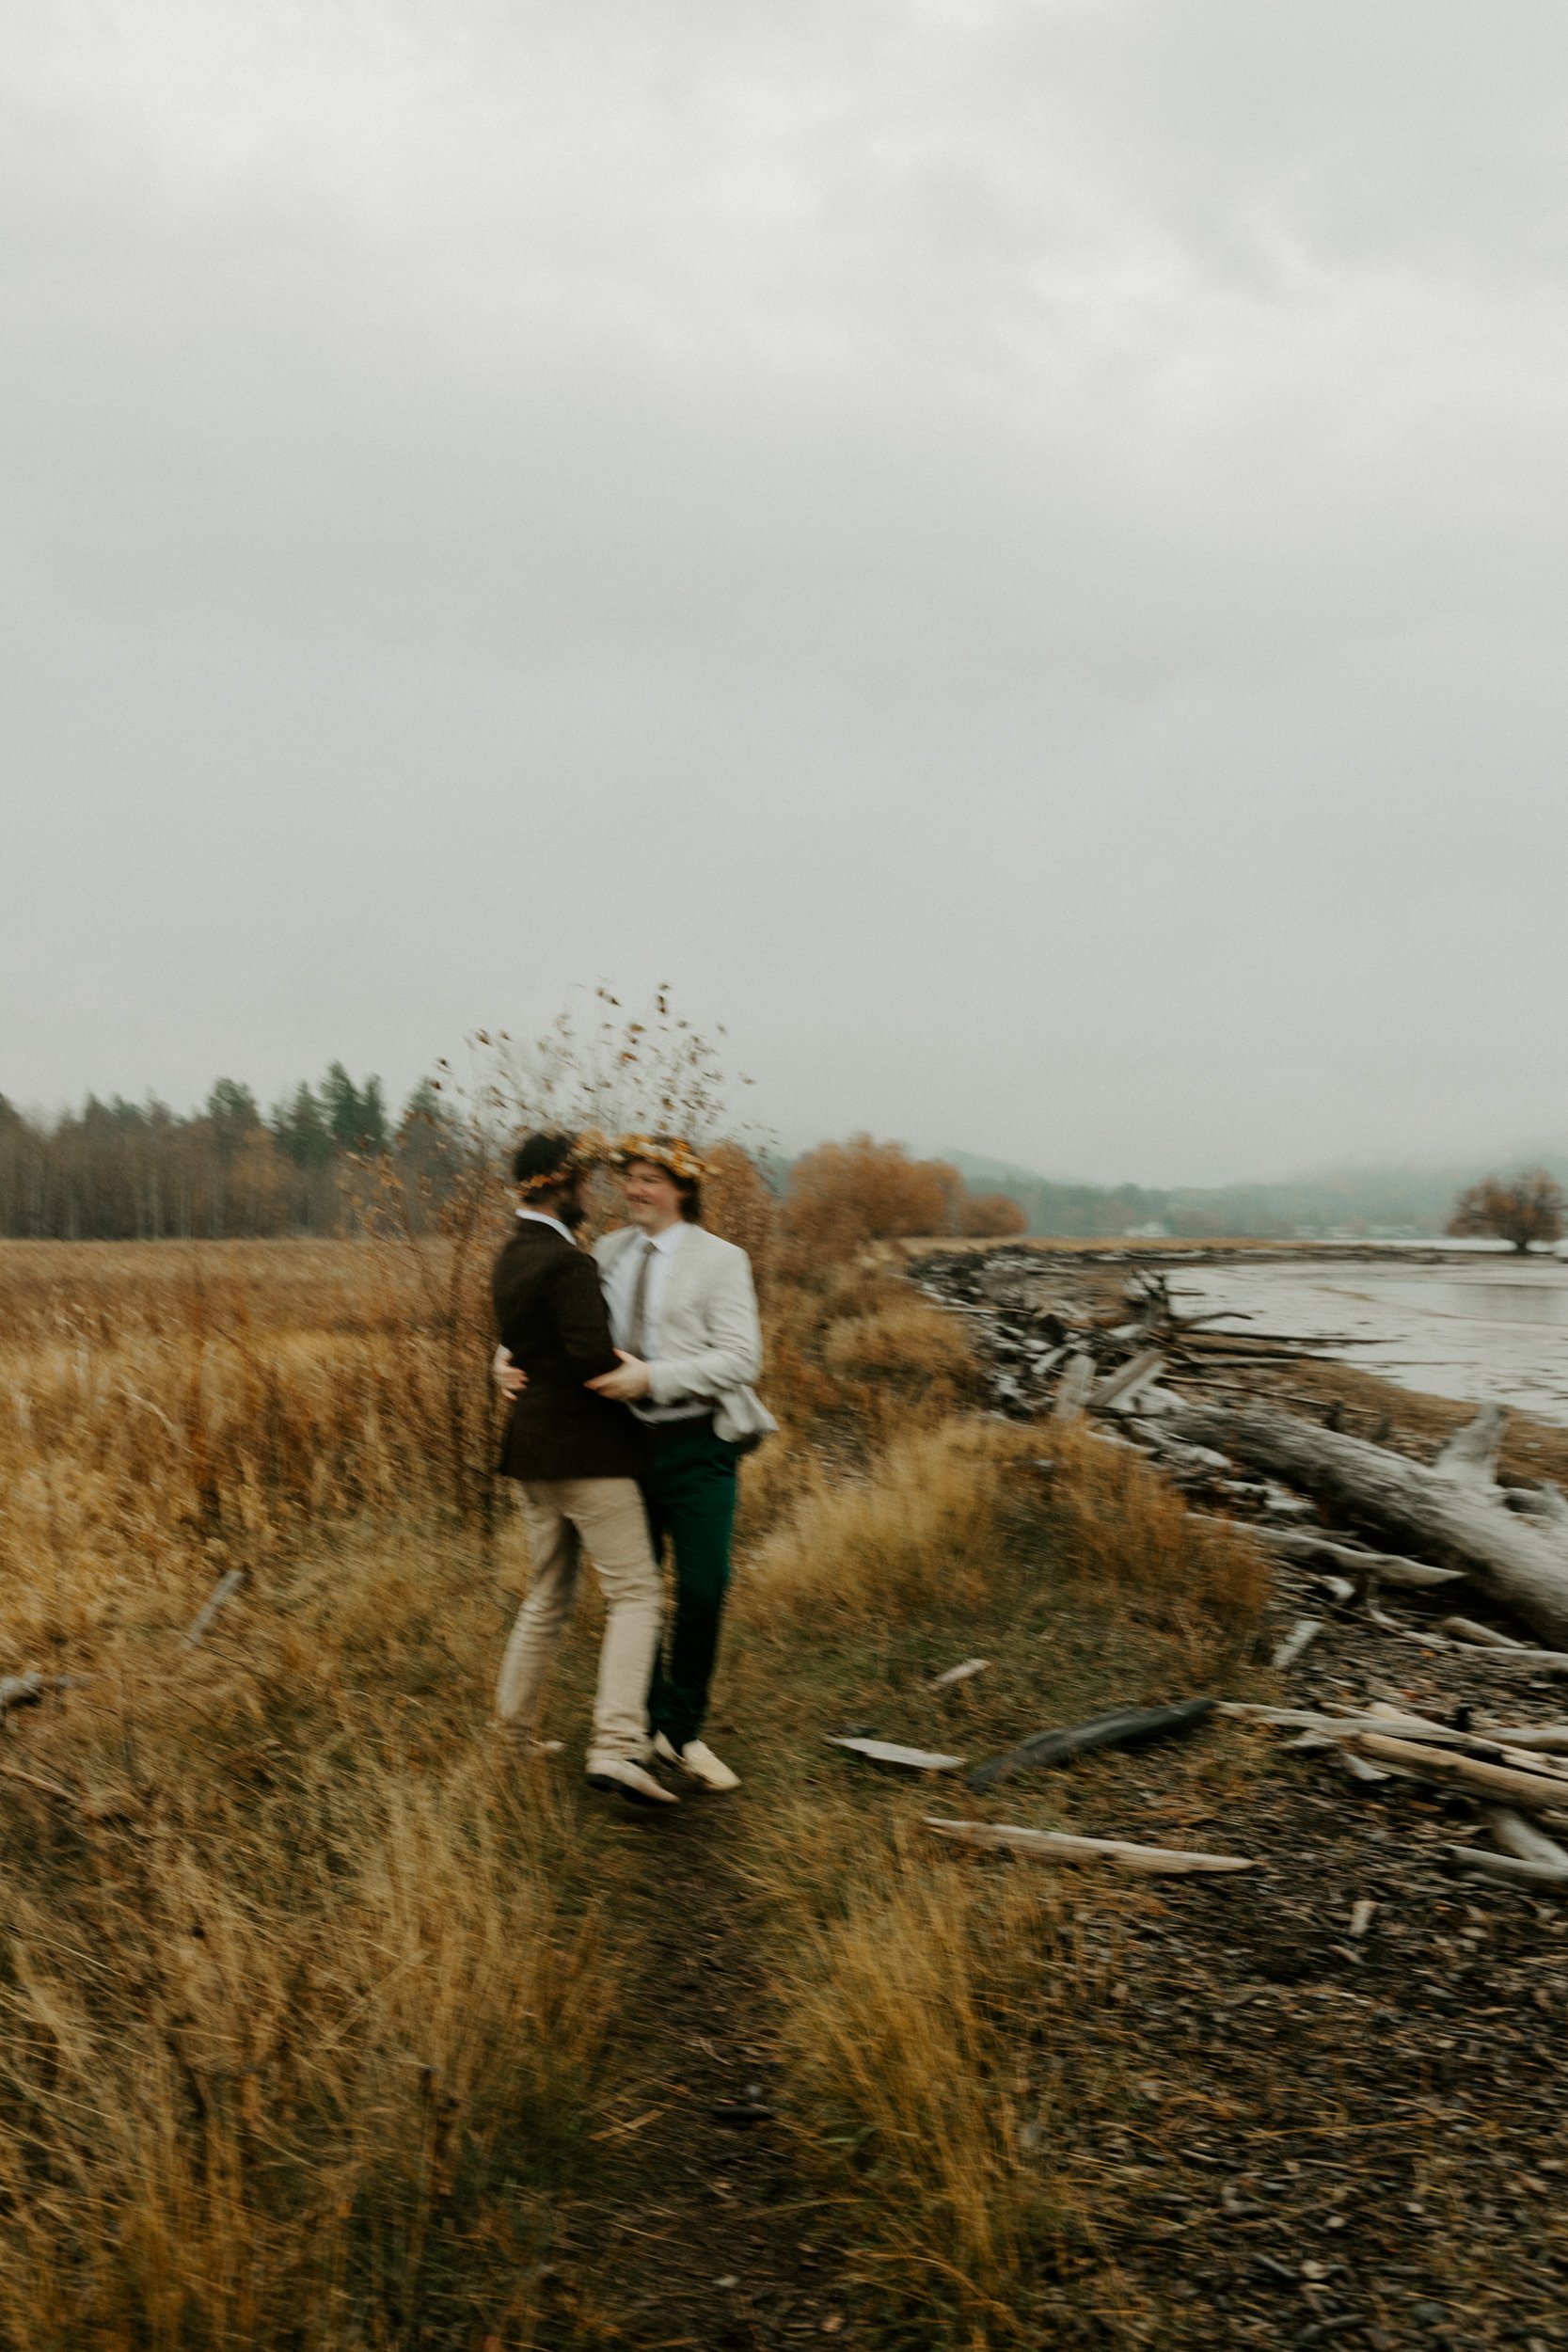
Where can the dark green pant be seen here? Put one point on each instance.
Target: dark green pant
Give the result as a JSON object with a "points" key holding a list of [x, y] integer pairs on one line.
{"points": [[690, 1494]]}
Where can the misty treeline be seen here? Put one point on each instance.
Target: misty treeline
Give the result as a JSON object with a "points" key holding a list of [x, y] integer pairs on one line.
{"points": [[140, 1171], [330, 1158]]}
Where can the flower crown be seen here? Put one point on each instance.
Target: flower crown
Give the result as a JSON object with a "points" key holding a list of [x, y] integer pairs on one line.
{"points": [[590, 1149], [670, 1153]]}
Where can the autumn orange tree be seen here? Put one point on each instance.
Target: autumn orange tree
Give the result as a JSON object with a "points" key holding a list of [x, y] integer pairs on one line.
{"points": [[1531, 1206], [844, 1195], [986, 1215]]}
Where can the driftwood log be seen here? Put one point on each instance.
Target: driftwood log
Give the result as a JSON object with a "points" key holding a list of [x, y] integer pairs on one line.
{"points": [[1054, 1845], [1453, 1506], [1538, 1791], [1120, 1727]]}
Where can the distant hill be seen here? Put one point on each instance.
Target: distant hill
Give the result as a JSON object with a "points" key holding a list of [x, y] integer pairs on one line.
{"points": [[1390, 1202]]}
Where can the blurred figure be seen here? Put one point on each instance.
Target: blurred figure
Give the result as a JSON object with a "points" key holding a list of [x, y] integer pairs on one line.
{"points": [[576, 1457]]}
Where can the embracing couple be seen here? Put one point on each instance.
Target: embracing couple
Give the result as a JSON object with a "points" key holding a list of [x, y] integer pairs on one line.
{"points": [[630, 1374]]}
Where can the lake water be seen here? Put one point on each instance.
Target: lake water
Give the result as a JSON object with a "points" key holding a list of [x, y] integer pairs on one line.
{"points": [[1494, 1328]]}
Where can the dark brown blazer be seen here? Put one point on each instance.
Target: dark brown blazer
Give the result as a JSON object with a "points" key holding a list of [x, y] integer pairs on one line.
{"points": [[552, 1320]]}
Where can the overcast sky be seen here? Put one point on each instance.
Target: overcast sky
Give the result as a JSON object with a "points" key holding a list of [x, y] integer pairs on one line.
{"points": [[1013, 550]]}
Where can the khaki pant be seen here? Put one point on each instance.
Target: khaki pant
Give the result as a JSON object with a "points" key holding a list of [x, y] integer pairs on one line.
{"points": [[603, 1517]]}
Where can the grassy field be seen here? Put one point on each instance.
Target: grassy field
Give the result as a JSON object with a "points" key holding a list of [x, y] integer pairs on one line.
{"points": [[323, 2026]]}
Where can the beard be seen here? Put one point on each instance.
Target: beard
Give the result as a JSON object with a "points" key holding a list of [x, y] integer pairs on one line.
{"points": [[572, 1212]]}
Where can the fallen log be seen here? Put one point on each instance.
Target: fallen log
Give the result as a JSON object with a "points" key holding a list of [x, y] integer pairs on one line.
{"points": [[1521, 1563], [1532, 1789], [1120, 1728], [1053, 1845]]}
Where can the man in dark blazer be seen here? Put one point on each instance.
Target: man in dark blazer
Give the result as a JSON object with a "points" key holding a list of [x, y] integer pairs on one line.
{"points": [[576, 1458]]}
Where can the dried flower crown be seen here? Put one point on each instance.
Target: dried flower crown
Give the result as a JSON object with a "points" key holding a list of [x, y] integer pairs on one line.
{"points": [[589, 1150], [670, 1153]]}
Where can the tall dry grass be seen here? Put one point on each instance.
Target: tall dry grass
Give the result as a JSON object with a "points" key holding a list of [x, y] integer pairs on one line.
{"points": [[905, 2000], [169, 1410], [1125, 1532], [300, 2002], [299, 1997], [921, 1991]]}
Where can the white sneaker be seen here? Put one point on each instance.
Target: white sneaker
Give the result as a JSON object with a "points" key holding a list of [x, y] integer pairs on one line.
{"points": [[697, 1760], [630, 1781]]}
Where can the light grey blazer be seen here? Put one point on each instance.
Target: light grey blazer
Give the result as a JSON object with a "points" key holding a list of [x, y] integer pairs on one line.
{"points": [[710, 1331]]}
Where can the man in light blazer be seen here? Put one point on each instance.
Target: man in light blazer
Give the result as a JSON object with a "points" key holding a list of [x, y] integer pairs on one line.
{"points": [[683, 1313]]}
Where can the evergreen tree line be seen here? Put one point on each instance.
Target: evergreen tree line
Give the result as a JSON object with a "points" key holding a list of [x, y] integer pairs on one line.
{"points": [[140, 1171]]}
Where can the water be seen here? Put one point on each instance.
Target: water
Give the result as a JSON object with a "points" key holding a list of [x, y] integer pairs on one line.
{"points": [[1497, 1328]]}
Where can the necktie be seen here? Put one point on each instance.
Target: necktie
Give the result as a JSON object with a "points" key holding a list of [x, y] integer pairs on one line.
{"points": [[637, 1329]]}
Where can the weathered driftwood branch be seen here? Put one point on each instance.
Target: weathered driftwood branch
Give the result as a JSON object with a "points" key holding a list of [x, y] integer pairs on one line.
{"points": [[1521, 1837], [1117, 1390], [1052, 1845], [1477, 1862], [1536, 1790], [212, 1608], [1299, 1638], [1476, 1636], [1120, 1727], [1356, 1560], [906, 1759], [1450, 1507], [1494, 1746], [1074, 1389], [969, 1667]]}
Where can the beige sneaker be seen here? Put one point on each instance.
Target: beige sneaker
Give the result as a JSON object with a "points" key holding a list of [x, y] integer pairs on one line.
{"points": [[630, 1781], [697, 1760]]}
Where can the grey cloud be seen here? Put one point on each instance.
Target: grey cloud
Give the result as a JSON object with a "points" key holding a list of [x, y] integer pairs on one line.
{"points": [[1014, 551]]}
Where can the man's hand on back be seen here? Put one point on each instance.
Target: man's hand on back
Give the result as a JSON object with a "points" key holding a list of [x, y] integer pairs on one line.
{"points": [[630, 1380], [509, 1377]]}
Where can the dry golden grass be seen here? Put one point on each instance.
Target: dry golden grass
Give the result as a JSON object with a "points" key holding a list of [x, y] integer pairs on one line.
{"points": [[172, 1409], [904, 1997], [302, 1997], [921, 1988], [901, 1541], [297, 2020], [1124, 1529]]}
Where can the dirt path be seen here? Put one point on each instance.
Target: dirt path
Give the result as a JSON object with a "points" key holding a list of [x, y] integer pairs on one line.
{"points": [[701, 2231]]}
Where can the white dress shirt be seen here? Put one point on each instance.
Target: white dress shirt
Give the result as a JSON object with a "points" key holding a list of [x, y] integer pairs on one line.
{"points": [[620, 1291], [537, 1217]]}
